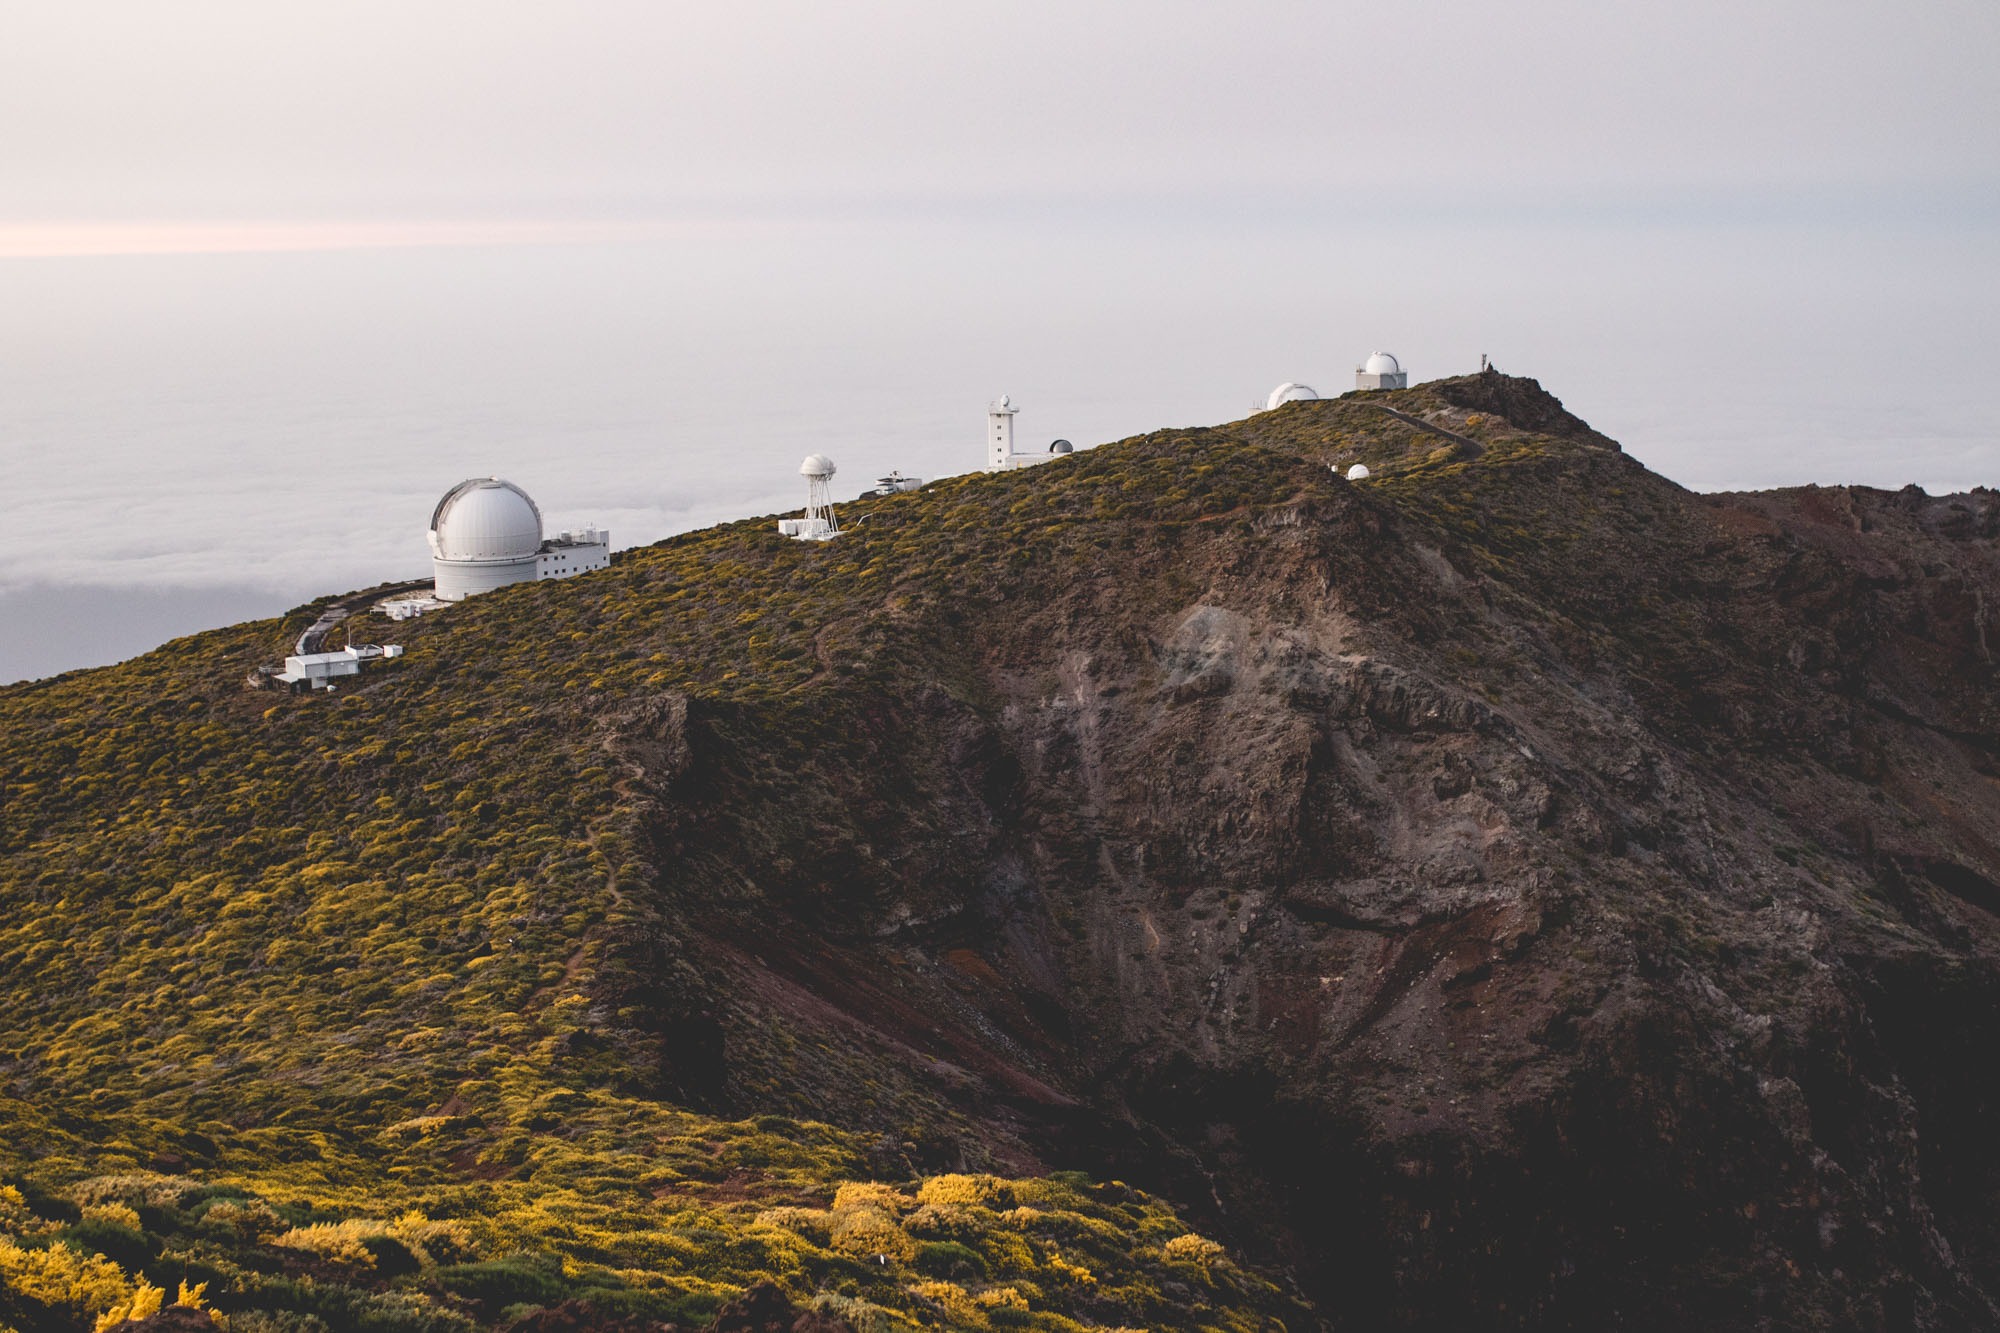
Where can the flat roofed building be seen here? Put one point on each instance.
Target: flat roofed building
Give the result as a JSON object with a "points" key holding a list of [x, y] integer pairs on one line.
{"points": [[318, 671]]}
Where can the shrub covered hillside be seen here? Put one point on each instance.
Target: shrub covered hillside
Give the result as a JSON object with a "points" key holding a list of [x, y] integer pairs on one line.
{"points": [[1172, 887], [328, 1005]]}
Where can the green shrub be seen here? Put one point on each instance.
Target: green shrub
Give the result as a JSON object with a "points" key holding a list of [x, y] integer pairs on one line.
{"points": [[128, 1247], [947, 1258], [517, 1279]]}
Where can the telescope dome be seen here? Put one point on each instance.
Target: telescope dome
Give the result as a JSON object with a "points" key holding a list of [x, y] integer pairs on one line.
{"points": [[485, 518], [1289, 392], [1381, 363], [816, 465]]}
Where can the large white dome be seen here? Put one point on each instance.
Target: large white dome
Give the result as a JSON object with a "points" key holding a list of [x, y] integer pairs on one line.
{"points": [[486, 518], [1381, 363], [1288, 392], [816, 465]]}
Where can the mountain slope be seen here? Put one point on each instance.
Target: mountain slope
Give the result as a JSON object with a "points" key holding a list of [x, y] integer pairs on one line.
{"points": [[1509, 891]]}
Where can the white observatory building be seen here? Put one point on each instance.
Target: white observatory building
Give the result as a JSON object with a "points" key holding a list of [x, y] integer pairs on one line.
{"points": [[486, 533], [818, 523], [1381, 372], [1000, 454], [1289, 392]]}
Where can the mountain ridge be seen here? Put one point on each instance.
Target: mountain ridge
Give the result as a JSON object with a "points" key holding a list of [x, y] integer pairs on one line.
{"points": [[1512, 890]]}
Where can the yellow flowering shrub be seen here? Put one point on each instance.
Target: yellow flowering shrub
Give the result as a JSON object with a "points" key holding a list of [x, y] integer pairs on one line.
{"points": [[143, 1303], [15, 1218], [346, 1242], [1067, 1273], [865, 1231], [79, 1287], [337, 1242], [252, 1220], [1191, 1249], [135, 1190], [965, 1191], [873, 1194], [815, 1224], [431, 1242], [947, 1221], [954, 1300], [117, 1214]]}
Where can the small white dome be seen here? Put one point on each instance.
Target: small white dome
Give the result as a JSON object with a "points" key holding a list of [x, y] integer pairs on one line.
{"points": [[486, 518], [816, 465], [1359, 472], [1381, 363], [1288, 392], [1061, 447]]}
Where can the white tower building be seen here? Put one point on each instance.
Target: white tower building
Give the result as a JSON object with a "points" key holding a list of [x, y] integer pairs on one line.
{"points": [[486, 533], [1000, 434], [1381, 372], [1000, 453], [819, 522]]}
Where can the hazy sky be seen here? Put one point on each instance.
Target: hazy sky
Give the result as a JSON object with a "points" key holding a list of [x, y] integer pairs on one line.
{"points": [[274, 274], [279, 108]]}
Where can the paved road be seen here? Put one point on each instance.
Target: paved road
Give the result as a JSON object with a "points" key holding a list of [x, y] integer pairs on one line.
{"points": [[1472, 447], [335, 612]]}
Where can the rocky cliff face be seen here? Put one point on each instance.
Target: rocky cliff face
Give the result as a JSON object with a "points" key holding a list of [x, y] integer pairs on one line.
{"points": [[1513, 892]]}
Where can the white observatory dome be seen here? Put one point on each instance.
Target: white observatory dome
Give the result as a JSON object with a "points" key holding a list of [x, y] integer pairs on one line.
{"points": [[1381, 363], [485, 518], [1061, 447], [816, 465], [1288, 392], [1359, 472]]}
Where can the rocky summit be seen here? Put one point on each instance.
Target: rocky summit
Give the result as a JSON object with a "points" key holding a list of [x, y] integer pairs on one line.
{"points": [[1174, 887]]}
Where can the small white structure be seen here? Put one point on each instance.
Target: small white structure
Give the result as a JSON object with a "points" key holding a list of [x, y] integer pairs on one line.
{"points": [[1359, 472], [410, 606], [487, 533], [1289, 392], [819, 523], [1381, 372], [893, 484], [1000, 453], [317, 671]]}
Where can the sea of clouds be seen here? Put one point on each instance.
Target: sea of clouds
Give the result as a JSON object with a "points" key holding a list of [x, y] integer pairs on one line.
{"points": [[191, 438]]}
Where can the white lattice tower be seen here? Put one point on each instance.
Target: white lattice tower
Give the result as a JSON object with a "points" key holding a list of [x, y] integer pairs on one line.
{"points": [[818, 471]]}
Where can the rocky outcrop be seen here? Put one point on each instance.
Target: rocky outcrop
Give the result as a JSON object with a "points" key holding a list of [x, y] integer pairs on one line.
{"points": [[1525, 894]]}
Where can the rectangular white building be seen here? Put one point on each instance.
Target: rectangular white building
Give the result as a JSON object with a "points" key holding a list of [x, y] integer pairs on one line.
{"points": [[318, 671]]}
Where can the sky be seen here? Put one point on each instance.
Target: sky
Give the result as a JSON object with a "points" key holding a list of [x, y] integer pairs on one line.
{"points": [[274, 275]]}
